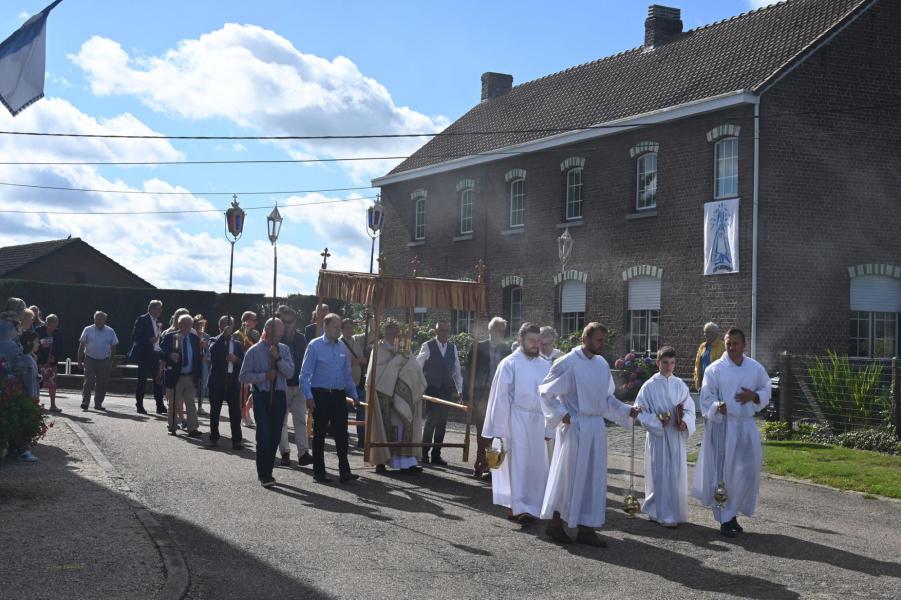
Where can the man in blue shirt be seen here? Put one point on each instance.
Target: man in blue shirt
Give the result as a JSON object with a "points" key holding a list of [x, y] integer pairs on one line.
{"points": [[326, 382], [267, 366]]}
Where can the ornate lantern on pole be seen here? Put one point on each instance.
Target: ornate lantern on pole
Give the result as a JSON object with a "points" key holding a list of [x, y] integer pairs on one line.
{"points": [[564, 250], [234, 227], [274, 224], [375, 218]]}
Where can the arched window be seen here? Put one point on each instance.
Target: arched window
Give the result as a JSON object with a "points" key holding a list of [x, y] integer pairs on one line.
{"points": [[517, 194], [573, 202], [726, 168], [419, 220], [465, 211], [875, 308], [647, 181], [513, 308]]}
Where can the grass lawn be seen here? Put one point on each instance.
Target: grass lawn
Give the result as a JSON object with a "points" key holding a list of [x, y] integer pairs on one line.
{"points": [[843, 468]]}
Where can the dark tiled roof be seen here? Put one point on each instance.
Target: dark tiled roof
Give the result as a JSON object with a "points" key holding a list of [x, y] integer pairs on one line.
{"points": [[741, 53], [14, 257]]}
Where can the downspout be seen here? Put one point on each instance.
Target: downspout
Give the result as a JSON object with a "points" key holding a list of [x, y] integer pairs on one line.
{"points": [[754, 229]]}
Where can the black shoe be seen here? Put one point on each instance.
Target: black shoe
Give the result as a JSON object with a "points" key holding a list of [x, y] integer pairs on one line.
{"points": [[84, 407], [437, 460], [305, 460], [286, 459], [414, 469], [173, 431], [195, 434], [237, 445], [161, 410], [381, 469], [735, 526], [321, 478], [142, 410], [267, 482], [727, 531], [347, 476], [100, 408], [558, 534]]}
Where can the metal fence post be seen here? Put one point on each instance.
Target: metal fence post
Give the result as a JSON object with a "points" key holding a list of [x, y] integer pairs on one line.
{"points": [[896, 398], [785, 387]]}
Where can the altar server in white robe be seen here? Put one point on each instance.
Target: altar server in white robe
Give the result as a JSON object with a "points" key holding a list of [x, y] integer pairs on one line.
{"points": [[576, 397], [514, 415], [735, 388], [668, 413]]}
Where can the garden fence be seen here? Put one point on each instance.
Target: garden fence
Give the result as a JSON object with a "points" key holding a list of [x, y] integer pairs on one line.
{"points": [[839, 392]]}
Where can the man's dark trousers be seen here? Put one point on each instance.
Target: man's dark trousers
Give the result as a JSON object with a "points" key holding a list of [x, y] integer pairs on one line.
{"points": [[270, 415], [228, 392], [148, 371], [329, 417], [435, 421]]}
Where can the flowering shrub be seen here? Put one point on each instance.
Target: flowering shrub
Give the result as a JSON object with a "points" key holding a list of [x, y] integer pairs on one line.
{"points": [[634, 371], [21, 418]]}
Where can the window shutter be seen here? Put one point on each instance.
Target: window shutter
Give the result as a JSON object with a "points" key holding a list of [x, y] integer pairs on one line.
{"points": [[573, 297], [875, 293], [644, 293]]}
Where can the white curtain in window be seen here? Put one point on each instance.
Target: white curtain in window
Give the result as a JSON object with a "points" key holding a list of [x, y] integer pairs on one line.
{"points": [[876, 293], [573, 297], [644, 293]]}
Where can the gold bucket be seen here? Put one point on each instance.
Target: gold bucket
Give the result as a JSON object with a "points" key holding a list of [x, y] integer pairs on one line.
{"points": [[494, 457]]}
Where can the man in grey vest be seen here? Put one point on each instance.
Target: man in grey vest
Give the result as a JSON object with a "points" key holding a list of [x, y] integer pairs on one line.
{"points": [[441, 366]]}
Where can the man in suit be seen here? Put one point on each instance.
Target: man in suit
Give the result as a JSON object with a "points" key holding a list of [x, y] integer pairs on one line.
{"points": [[313, 331], [181, 351], [489, 354], [226, 355], [144, 351], [441, 366]]}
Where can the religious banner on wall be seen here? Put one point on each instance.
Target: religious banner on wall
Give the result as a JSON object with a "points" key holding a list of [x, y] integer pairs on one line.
{"points": [[721, 237]]}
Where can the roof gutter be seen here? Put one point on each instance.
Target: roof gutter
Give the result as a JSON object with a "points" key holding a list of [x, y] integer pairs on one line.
{"points": [[672, 113]]}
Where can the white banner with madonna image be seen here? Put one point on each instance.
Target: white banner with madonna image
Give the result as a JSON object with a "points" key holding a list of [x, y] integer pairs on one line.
{"points": [[721, 237]]}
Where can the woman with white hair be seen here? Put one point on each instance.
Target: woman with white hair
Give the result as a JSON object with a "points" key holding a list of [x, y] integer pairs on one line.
{"points": [[710, 350], [546, 344]]}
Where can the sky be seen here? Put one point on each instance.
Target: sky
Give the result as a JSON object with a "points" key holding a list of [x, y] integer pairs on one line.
{"points": [[274, 68]]}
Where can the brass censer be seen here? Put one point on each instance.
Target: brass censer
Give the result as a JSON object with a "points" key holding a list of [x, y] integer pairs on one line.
{"points": [[494, 457]]}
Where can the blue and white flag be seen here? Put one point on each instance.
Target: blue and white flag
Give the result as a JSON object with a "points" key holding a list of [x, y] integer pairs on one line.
{"points": [[22, 57], [721, 237]]}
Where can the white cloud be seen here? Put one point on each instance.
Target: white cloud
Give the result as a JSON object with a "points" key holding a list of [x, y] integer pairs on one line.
{"points": [[260, 81], [755, 4]]}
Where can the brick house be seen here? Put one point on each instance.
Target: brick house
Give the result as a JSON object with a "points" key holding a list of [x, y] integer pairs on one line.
{"points": [[788, 114]]}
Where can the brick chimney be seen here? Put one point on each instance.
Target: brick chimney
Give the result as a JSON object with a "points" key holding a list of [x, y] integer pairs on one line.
{"points": [[495, 84], [662, 24]]}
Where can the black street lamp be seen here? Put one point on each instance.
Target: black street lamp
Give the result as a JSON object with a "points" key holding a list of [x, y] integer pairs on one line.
{"points": [[274, 224], [234, 227], [375, 218]]}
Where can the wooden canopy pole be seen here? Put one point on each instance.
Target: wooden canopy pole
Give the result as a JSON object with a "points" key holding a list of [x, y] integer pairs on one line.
{"points": [[371, 399], [480, 269]]}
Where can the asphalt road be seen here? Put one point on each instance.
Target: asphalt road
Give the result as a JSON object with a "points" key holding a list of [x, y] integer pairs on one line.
{"points": [[438, 536]]}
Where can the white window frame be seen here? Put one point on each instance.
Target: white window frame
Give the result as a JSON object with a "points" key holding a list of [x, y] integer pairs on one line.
{"points": [[869, 319], [569, 200], [513, 309], [419, 220], [644, 338], [642, 190], [462, 321], [571, 322], [517, 203], [719, 163], [466, 206]]}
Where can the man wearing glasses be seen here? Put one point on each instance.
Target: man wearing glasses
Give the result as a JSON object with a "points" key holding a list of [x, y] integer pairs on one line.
{"points": [[297, 405]]}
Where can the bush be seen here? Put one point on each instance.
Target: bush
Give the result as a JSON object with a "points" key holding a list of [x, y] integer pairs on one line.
{"points": [[21, 418], [881, 439], [776, 431], [848, 395]]}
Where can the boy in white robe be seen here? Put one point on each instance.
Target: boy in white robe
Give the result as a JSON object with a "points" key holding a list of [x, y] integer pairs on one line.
{"points": [[735, 388], [668, 413], [576, 397], [514, 415]]}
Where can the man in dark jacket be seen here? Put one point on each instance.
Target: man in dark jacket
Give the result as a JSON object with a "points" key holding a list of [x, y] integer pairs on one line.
{"points": [[184, 366], [226, 354], [489, 354], [144, 351]]}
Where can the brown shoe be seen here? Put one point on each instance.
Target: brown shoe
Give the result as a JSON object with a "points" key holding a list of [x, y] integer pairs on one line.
{"points": [[558, 534], [589, 537]]}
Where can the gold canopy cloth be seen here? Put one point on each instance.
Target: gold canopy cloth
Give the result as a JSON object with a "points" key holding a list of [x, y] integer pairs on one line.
{"points": [[386, 291]]}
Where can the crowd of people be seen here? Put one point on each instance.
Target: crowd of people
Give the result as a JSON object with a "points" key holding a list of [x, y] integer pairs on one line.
{"points": [[541, 414]]}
